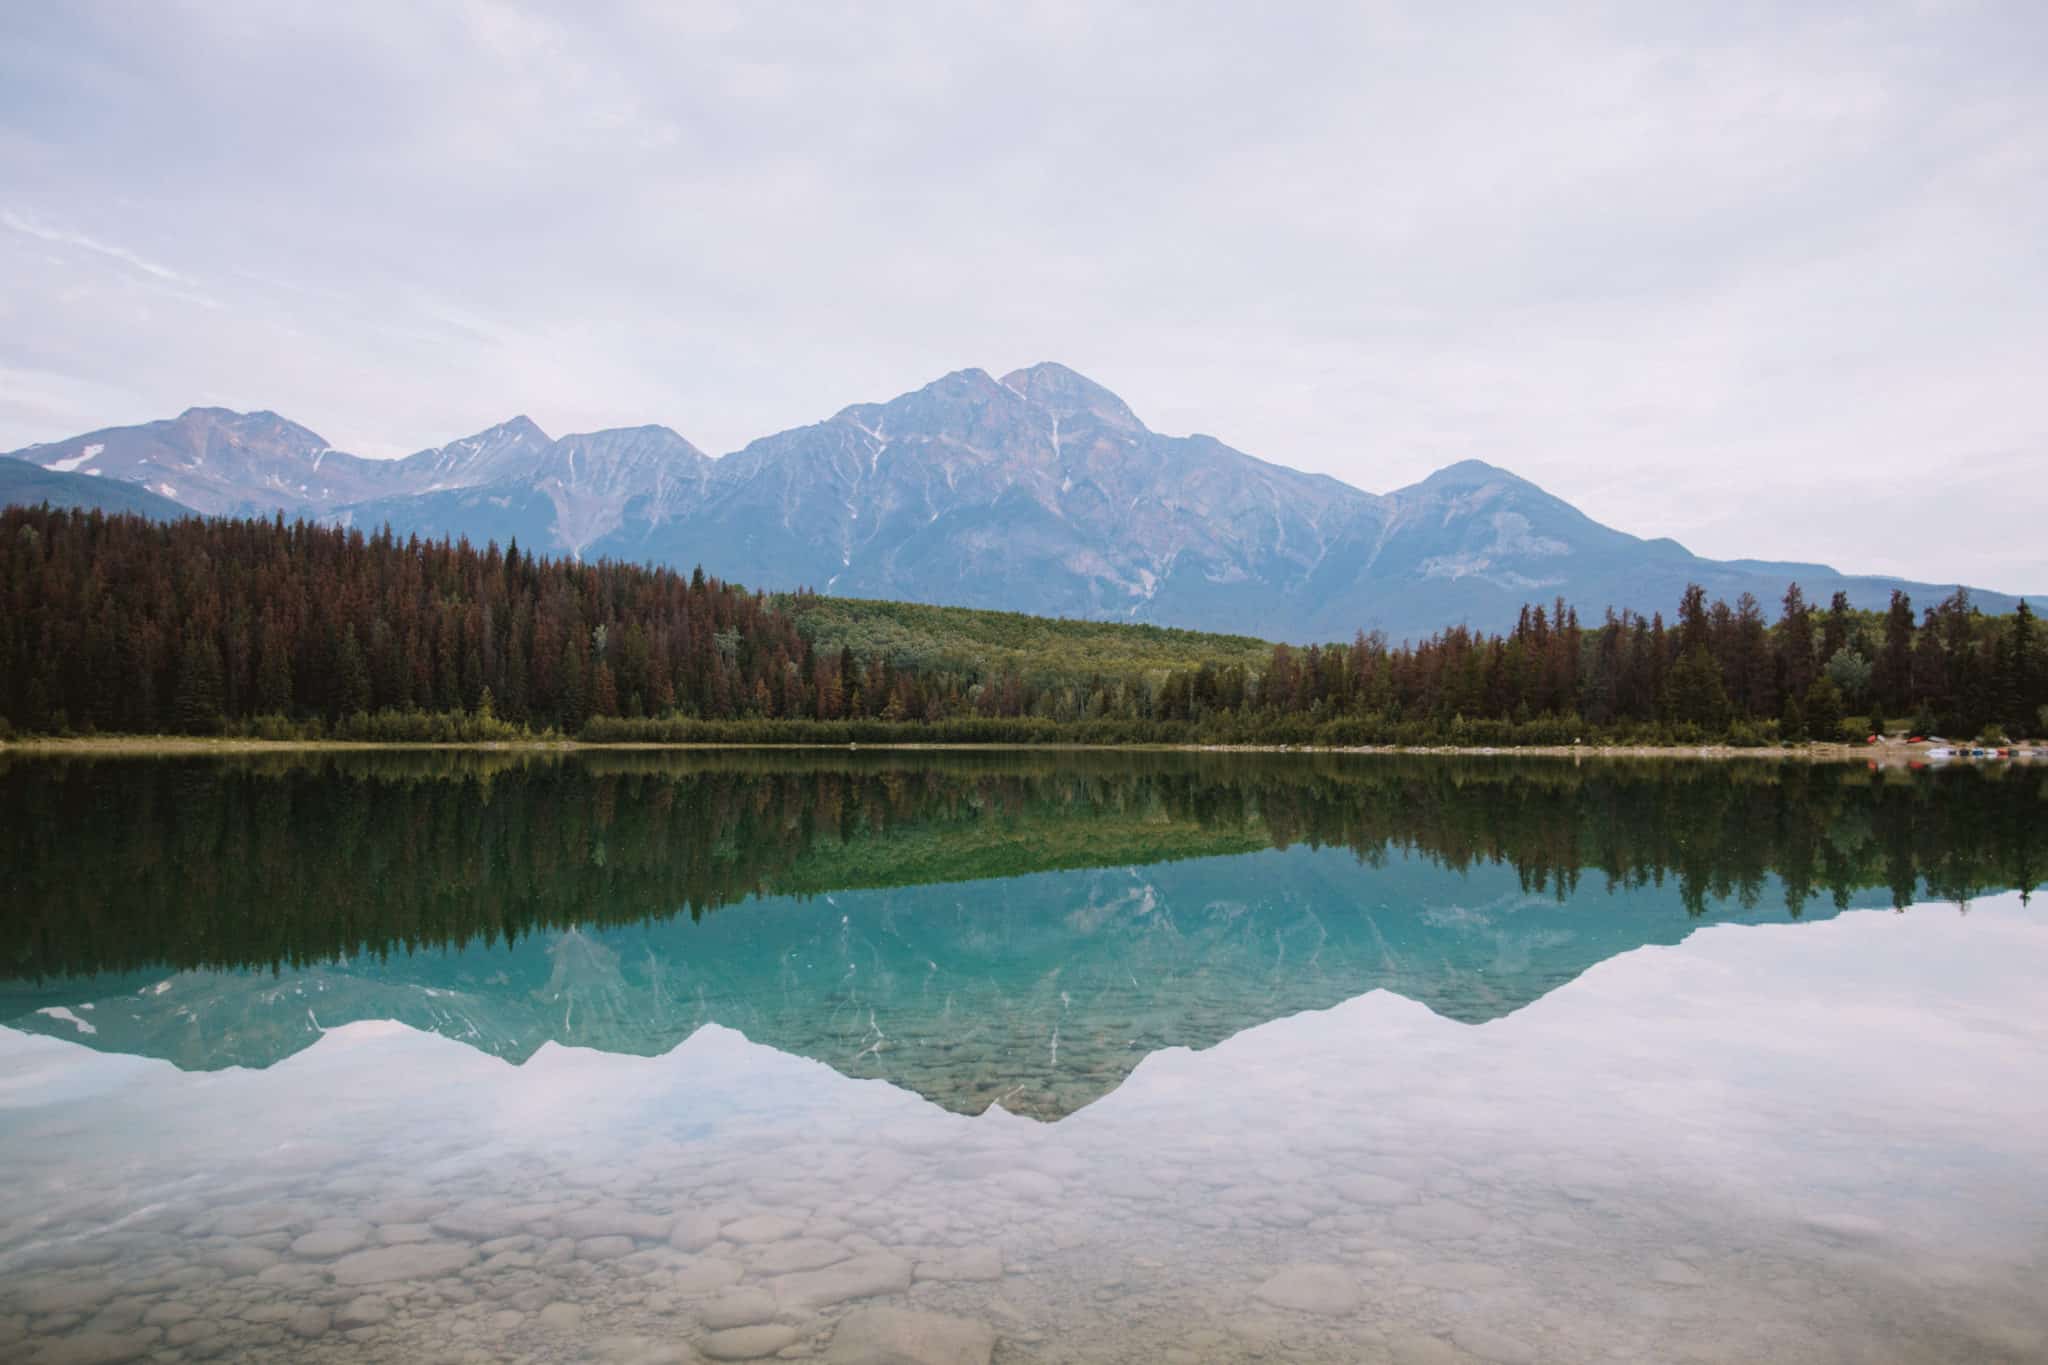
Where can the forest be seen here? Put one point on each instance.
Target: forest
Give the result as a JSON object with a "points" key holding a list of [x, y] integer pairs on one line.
{"points": [[269, 629]]}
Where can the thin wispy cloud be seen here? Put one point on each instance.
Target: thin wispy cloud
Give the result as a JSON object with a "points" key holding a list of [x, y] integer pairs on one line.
{"points": [[42, 233]]}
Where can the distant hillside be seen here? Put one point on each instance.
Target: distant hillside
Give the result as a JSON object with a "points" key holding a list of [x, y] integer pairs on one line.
{"points": [[25, 485], [1039, 491], [990, 643]]}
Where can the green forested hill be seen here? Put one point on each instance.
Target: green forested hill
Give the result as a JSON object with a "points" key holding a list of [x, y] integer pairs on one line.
{"points": [[1036, 648]]}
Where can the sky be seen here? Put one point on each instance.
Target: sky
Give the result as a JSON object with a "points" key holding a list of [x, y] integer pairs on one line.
{"points": [[1769, 279]]}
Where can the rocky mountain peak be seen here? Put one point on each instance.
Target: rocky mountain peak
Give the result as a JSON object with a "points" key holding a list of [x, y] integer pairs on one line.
{"points": [[202, 426], [1069, 395], [1467, 474], [509, 449]]}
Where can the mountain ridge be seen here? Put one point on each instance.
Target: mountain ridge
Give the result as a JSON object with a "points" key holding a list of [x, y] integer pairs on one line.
{"points": [[1040, 491]]}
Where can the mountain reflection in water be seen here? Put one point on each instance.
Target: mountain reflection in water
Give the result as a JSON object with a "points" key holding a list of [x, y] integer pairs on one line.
{"points": [[1016, 930]]}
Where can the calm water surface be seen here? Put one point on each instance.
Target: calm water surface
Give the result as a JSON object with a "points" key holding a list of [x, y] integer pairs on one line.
{"points": [[1020, 1058]]}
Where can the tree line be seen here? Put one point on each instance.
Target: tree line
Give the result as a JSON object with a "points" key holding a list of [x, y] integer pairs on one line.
{"points": [[263, 627]]}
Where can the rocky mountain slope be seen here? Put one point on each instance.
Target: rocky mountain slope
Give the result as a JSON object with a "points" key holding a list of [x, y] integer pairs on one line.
{"points": [[1039, 491]]}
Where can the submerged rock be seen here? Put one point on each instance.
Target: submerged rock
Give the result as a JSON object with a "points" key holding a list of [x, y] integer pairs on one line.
{"points": [[693, 1232], [309, 1322], [48, 1297], [1677, 1273], [561, 1317], [764, 1227], [962, 1263], [98, 1348], [324, 1244], [1373, 1189], [748, 1343], [858, 1277], [1462, 1276], [243, 1259], [612, 1221], [418, 1261], [483, 1221], [706, 1276], [800, 1253], [1312, 1288], [739, 1308], [1416, 1349], [901, 1336], [1498, 1347], [1440, 1220]]}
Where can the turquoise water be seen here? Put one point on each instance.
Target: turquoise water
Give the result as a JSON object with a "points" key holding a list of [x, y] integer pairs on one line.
{"points": [[1054, 1057]]}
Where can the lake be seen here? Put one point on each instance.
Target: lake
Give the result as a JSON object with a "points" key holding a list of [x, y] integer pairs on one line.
{"points": [[951, 1058]]}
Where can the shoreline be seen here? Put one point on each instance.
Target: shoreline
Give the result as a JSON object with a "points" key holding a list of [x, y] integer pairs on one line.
{"points": [[187, 746]]}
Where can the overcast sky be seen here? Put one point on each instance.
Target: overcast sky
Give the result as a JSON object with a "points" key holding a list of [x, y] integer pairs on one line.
{"points": [[1768, 278]]}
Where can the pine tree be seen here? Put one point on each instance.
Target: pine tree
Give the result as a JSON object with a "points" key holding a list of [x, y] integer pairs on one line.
{"points": [[351, 677], [604, 691], [569, 684], [1894, 672], [1792, 723], [1695, 693], [1795, 644], [2024, 684], [273, 672], [1834, 632], [1824, 710], [197, 703]]}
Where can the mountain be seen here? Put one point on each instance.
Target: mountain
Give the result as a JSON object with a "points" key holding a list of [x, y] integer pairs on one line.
{"points": [[563, 496], [1038, 492], [223, 463], [26, 485]]}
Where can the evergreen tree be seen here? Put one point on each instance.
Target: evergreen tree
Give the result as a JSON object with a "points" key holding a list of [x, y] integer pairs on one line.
{"points": [[273, 672], [1824, 710], [604, 691], [1795, 644], [1792, 722], [1894, 673], [197, 704], [1695, 695], [2024, 685], [351, 677], [1834, 635], [570, 708]]}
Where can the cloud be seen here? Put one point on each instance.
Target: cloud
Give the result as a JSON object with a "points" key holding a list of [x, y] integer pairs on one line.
{"points": [[1757, 282], [79, 239]]}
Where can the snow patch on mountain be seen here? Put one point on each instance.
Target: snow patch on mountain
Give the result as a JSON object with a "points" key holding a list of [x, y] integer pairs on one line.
{"points": [[71, 465]]}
